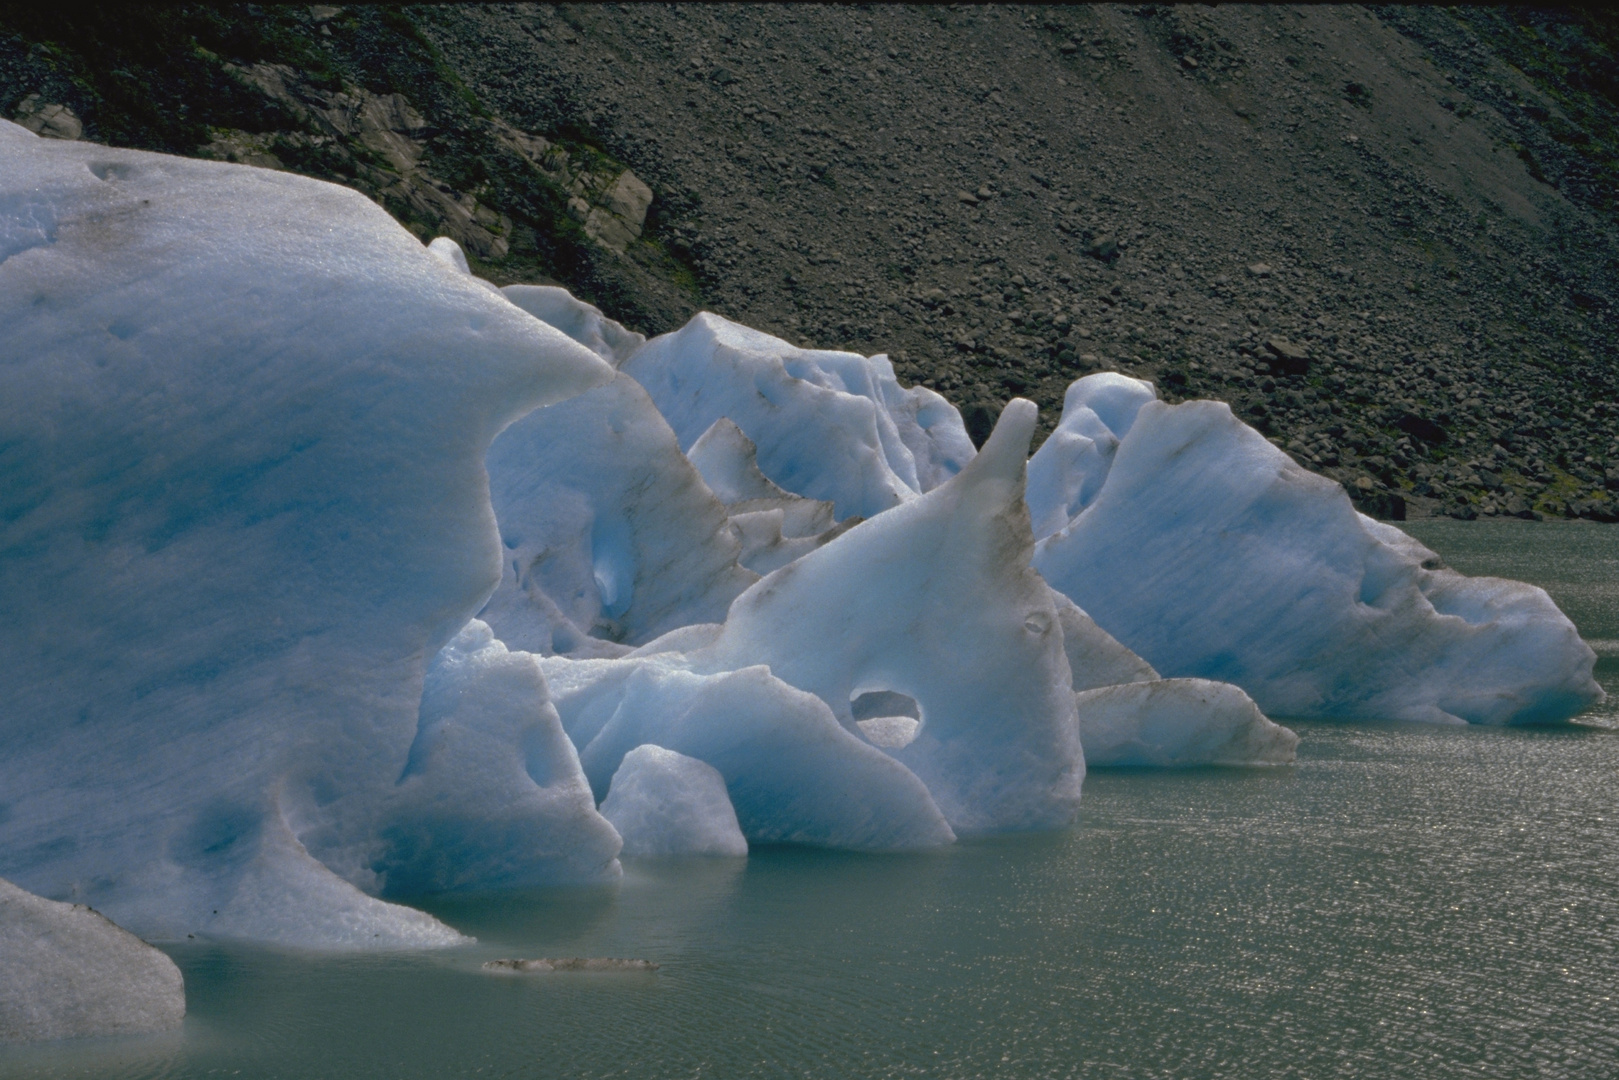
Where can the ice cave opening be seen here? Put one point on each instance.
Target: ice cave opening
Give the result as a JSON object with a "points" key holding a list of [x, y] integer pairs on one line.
{"points": [[887, 718]]}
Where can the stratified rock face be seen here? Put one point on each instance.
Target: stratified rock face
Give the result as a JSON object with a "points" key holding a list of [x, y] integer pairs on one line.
{"points": [[48, 119], [67, 971], [242, 504]]}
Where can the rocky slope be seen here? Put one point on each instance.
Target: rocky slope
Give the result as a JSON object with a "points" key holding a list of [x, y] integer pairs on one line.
{"points": [[1387, 236]]}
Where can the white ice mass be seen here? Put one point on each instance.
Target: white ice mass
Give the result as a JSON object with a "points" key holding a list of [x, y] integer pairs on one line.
{"points": [[67, 972], [933, 601], [608, 532], [1067, 471], [1164, 723], [1128, 716], [491, 794], [1210, 553], [828, 425], [793, 773], [774, 526], [242, 504], [333, 573], [664, 803], [581, 321]]}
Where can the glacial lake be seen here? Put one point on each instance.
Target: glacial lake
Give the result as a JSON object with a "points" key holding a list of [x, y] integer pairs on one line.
{"points": [[1405, 901]]}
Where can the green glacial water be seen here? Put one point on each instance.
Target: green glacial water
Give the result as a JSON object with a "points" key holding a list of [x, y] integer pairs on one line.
{"points": [[1405, 902]]}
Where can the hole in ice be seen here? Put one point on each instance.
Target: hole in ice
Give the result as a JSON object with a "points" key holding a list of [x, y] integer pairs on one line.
{"points": [[874, 703], [111, 170], [886, 718], [612, 567]]}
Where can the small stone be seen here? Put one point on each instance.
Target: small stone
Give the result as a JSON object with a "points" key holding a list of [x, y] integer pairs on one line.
{"points": [[1189, 63], [1518, 506], [967, 197], [1422, 428], [1105, 248], [1601, 510], [1288, 357], [48, 119], [1259, 270]]}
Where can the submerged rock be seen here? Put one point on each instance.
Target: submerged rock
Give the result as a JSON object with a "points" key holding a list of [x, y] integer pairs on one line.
{"points": [[571, 963]]}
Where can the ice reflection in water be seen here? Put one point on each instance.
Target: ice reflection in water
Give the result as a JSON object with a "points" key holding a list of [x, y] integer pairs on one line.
{"points": [[1405, 901]]}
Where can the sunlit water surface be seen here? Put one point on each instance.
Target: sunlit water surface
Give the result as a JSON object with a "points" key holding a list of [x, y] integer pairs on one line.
{"points": [[1406, 901]]}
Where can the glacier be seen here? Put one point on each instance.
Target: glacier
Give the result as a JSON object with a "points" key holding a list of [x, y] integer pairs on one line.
{"points": [[794, 775], [1130, 716], [1209, 552], [336, 575], [1067, 471], [557, 307], [492, 794], [773, 525]]}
